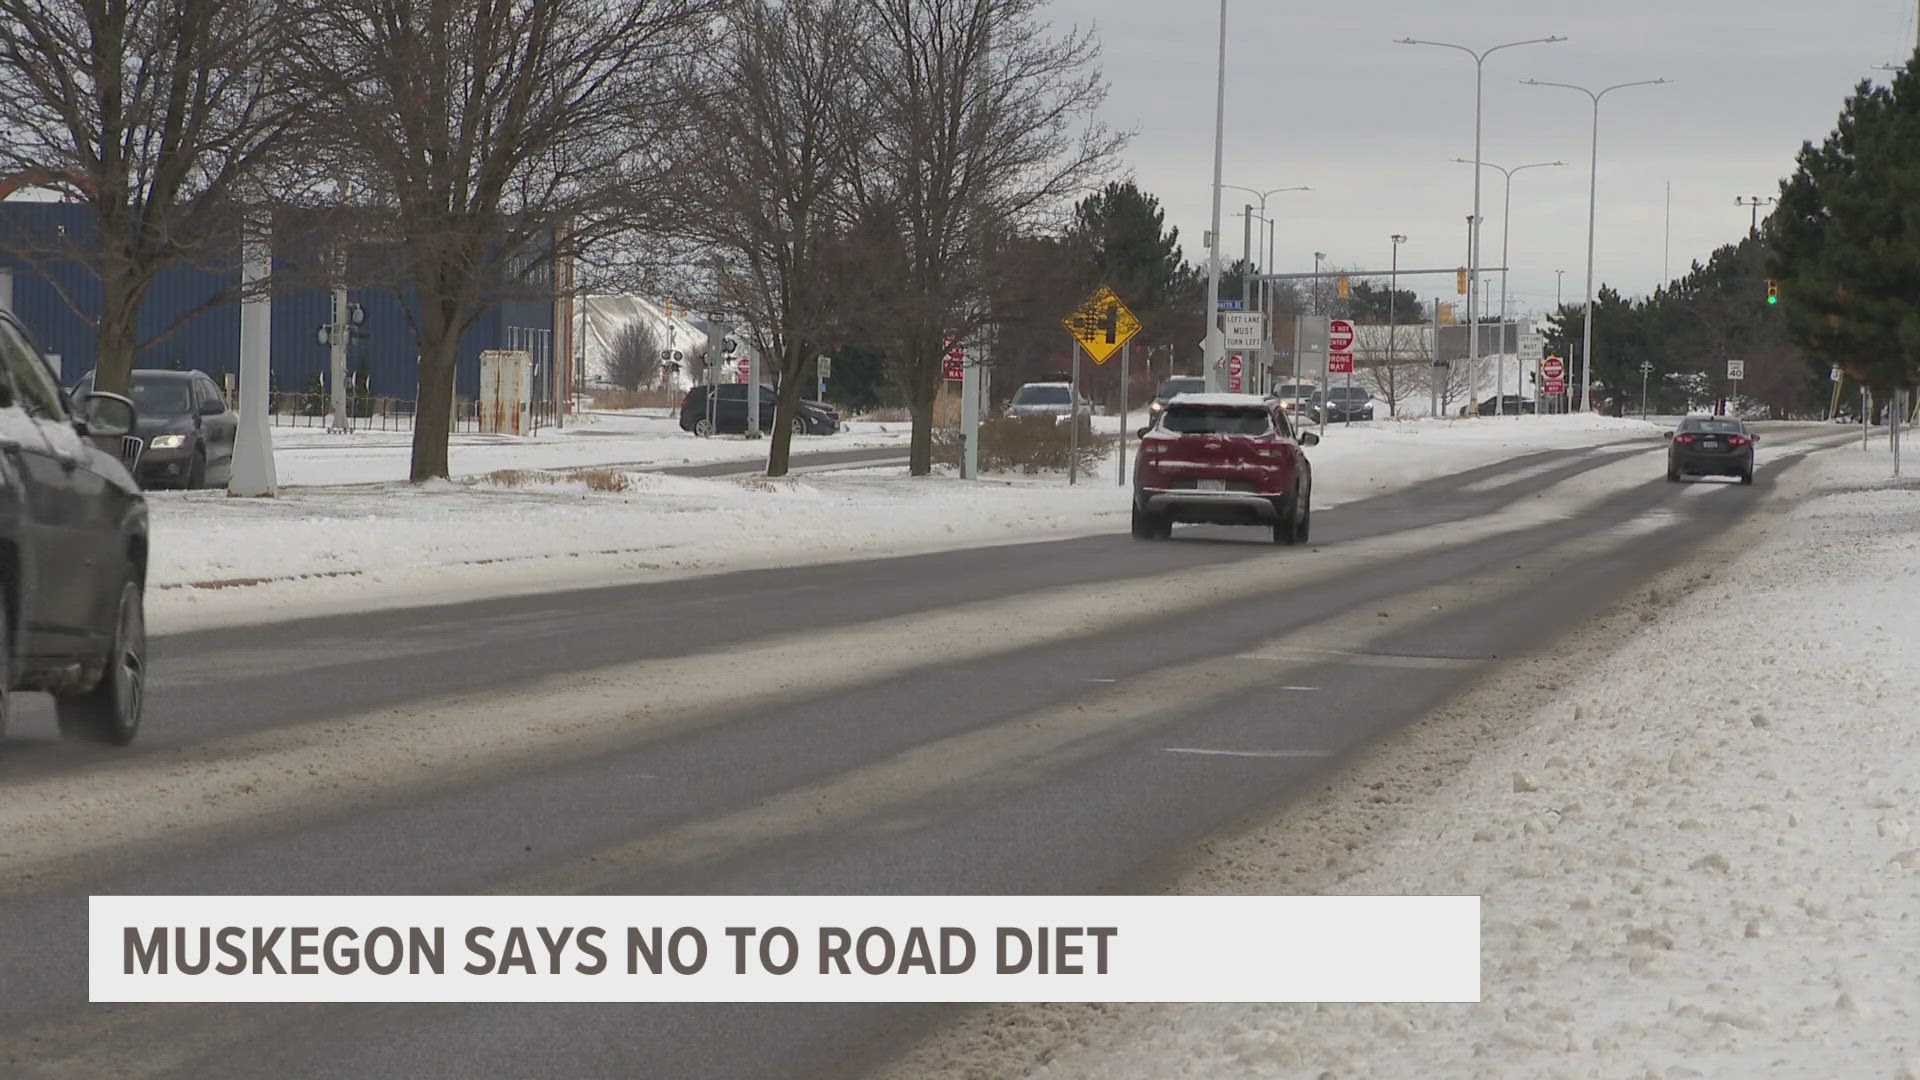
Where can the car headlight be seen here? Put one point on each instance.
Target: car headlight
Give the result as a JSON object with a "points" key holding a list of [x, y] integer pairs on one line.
{"points": [[167, 442]]}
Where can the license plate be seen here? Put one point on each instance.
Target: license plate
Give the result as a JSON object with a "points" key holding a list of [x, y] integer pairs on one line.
{"points": [[1711, 444], [1212, 485]]}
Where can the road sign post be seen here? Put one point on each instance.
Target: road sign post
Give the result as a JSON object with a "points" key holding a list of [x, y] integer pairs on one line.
{"points": [[1126, 359], [1101, 325], [1736, 371]]}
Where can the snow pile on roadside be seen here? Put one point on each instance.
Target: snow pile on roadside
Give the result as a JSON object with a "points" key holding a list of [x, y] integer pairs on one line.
{"points": [[1702, 859]]}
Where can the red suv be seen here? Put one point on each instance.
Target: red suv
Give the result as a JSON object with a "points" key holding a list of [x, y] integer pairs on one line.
{"points": [[1224, 459]]}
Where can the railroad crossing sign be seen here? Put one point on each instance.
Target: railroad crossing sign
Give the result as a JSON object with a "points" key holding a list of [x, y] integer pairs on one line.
{"points": [[1555, 371], [1736, 370], [1102, 324], [1339, 346]]}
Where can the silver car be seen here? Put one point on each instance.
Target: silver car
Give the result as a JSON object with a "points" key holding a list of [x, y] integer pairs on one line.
{"points": [[1048, 399]]}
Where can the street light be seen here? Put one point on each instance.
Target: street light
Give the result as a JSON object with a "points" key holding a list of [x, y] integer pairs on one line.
{"points": [[1473, 239], [1593, 179], [1215, 340], [1506, 227], [1266, 288], [1393, 290], [1756, 202]]}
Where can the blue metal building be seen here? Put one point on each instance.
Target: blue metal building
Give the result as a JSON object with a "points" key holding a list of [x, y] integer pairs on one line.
{"points": [[44, 298]]}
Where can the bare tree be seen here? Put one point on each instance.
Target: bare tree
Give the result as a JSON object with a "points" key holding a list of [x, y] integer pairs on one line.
{"points": [[983, 120], [1393, 375], [633, 356], [496, 140], [788, 118], [159, 116]]}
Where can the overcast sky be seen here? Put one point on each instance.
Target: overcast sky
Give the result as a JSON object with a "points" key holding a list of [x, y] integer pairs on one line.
{"points": [[1318, 94]]}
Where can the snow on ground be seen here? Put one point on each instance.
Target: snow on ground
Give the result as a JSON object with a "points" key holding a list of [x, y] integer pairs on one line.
{"points": [[344, 547], [309, 456], [1701, 858]]}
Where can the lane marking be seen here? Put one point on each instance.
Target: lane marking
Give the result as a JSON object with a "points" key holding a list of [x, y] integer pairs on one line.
{"points": [[1250, 753], [1364, 659], [1299, 688]]}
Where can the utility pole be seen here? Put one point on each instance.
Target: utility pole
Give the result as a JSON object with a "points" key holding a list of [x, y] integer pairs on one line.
{"points": [[1212, 357], [1246, 255], [1393, 292], [1646, 369], [253, 471], [337, 358], [1756, 202]]}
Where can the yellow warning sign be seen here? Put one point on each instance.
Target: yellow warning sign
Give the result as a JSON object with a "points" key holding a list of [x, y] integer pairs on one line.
{"points": [[1102, 324]]}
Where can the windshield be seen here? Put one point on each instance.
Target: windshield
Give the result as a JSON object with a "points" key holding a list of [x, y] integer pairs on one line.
{"points": [[1348, 393], [1041, 395], [1217, 420], [150, 396], [1181, 386], [1718, 427]]}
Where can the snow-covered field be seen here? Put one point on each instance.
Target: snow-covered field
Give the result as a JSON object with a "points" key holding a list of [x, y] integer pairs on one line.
{"points": [[309, 456], [319, 549], [1699, 858]]}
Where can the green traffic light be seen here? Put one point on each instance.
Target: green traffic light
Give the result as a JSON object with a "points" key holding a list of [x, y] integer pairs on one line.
{"points": [[1773, 299]]}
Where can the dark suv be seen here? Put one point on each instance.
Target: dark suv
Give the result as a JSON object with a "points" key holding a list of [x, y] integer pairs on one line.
{"points": [[186, 430], [728, 412], [73, 550], [1348, 403]]}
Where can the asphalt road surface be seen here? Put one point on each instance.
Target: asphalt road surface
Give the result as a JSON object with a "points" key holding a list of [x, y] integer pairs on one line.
{"points": [[1058, 717]]}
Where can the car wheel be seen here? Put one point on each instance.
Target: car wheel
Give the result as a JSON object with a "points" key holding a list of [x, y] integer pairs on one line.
{"points": [[1143, 525], [197, 472], [799, 425], [1295, 524], [703, 427], [1747, 477], [110, 712]]}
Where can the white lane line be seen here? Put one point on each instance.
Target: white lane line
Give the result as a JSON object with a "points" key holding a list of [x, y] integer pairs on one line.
{"points": [[1299, 688], [1249, 753], [1101, 680]]}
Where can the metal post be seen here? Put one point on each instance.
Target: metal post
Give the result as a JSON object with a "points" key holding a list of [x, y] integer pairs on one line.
{"points": [[1586, 321], [1506, 230], [1246, 256], [1212, 352], [1473, 243], [1393, 291], [753, 393], [1126, 359], [337, 358], [253, 472], [1646, 368], [1073, 419], [970, 380], [1865, 417], [1433, 364]]}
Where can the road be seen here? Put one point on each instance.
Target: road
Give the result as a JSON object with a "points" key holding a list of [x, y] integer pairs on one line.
{"points": [[1057, 717]]}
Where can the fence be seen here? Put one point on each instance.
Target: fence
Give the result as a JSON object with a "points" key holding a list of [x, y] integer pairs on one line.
{"points": [[370, 413]]}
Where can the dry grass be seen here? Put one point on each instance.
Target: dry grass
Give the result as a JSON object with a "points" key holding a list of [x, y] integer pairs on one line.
{"points": [[607, 480], [1028, 444], [888, 416], [514, 478], [635, 399]]}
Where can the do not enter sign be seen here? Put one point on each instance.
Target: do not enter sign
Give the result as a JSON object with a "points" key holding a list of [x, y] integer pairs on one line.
{"points": [[1339, 336], [1554, 369]]}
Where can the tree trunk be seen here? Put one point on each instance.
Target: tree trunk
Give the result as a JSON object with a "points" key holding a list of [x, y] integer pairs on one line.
{"points": [[115, 338], [786, 406], [920, 446], [433, 416]]}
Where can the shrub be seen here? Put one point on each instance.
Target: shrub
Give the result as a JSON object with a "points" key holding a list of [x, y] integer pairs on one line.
{"points": [[1028, 444]]}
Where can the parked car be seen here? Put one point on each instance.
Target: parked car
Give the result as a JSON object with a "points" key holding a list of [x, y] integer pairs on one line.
{"points": [[1228, 459], [1049, 399], [1515, 405], [1345, 403], [74, 525], [1710, 446], [1300, 399], [729, 412], [186, 429], [1179, 384]]}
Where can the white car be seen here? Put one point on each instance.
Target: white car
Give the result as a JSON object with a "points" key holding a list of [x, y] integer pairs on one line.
{"points": [[1048, 399]]}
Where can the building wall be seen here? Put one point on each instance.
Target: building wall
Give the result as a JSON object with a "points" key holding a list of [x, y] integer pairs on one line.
{"points": [[210, 339]]}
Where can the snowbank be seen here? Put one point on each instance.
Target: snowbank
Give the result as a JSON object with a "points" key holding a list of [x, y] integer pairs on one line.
{"points": [[1702, 859]]}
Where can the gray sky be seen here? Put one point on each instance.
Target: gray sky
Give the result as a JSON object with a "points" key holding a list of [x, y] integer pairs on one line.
{"points": [[1318, 94]]}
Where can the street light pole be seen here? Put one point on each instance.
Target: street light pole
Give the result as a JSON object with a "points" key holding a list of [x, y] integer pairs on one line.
{"points": [[1393, 329], [1756, 202], [1212, 349], [1473, 239], [1593, 180], [1266, 288], [1506, 229]]}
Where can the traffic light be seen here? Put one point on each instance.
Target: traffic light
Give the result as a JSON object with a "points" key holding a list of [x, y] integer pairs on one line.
{"points": [[1773, 291], [1460, 281], [1345, 289]]}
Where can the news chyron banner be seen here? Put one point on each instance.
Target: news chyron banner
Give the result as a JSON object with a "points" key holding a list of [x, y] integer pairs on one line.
{"points": [[784, 948]]}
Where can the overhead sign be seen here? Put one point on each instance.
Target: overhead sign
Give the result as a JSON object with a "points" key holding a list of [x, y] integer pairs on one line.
{"points": [[1736, 370], [1339, 345], [1102, 324], [1244, 330]]}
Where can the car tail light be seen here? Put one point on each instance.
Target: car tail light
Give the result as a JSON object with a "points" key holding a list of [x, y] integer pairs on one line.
{"points": [[1736, 440], [1685, 440]]}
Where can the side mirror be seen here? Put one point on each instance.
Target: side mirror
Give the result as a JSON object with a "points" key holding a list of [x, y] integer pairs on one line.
{"points": [[213, 407], [106, 415], [1667, 435], [1753, 438], [1308, 438], [1142, 433]]}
